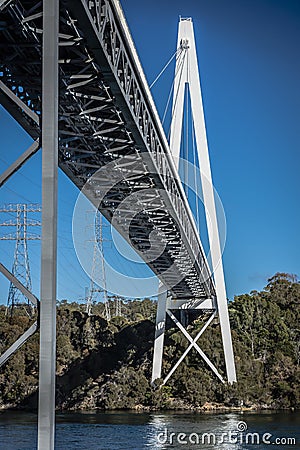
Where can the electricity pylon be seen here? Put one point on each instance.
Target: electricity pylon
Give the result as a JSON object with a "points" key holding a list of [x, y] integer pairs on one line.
{"points": [[118, 311], [20, 267], [98, 275]]}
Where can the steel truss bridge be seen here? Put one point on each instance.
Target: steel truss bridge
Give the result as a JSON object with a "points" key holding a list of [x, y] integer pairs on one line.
{"points": [[71, 77]]}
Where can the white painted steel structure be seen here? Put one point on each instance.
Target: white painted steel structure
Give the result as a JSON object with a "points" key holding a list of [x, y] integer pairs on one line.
{"points": [[47, 365], [187, 73]]}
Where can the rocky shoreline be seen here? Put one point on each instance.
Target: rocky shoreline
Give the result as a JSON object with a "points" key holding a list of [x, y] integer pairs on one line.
{"points": [[208, 407]]}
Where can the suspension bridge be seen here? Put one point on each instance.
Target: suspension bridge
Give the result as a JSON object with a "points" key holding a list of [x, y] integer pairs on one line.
{"points": [[71, 77]]}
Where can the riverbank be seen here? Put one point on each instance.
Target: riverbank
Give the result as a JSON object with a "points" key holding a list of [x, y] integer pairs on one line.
{"points": [[107, 365]]}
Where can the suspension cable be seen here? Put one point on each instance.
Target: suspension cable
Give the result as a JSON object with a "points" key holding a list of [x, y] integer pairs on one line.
{"points": [[195, 177], [186, 153], [178, 51], [180, 67], [196, 170], [187, 93]]}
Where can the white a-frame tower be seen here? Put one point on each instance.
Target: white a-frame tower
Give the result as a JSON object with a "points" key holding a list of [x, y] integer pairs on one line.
{"points": [[187, 74]]}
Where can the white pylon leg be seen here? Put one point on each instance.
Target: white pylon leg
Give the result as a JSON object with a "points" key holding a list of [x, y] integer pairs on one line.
{"points": [[46, 416], [190, 75], [159, 332]]}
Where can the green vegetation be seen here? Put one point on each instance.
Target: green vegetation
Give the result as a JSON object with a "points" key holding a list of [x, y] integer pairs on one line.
{"points": [[107, 366]]}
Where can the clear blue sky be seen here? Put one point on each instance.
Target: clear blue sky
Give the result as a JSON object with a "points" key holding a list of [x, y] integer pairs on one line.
{"points": [[250, 70]]}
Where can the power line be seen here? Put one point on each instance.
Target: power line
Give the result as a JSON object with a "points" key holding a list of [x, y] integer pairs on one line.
{"points": [[180, 67]]}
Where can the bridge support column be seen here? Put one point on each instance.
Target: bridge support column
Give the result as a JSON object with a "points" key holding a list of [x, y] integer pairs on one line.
{"points": [[159, 332], [189, 74], [46, 417], [166, 307]]}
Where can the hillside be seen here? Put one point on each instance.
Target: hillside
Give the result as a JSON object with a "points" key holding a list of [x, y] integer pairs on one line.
{"points": [[107, 366]]}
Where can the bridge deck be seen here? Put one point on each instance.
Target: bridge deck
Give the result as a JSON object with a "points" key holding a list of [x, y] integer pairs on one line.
{"points": [[111, 142]]}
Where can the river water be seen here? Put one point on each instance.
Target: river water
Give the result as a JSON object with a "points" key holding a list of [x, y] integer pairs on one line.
{"points": [[138, 431]]}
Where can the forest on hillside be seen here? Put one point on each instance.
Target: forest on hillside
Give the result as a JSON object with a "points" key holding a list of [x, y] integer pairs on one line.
{"points": [[107, 365]]}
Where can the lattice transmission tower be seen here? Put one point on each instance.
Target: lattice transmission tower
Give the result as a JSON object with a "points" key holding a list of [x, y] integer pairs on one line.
{"points": [[20, 268], [118, 310], [98, 275]]}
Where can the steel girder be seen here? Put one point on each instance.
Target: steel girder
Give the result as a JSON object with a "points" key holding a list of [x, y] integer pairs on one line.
{"points": [[107, 119]]}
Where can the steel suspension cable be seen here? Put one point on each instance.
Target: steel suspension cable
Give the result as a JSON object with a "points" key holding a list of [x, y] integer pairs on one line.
{"points": [[177, 53], [180, 68], [186, 152], [197, 216], [195, 170]]}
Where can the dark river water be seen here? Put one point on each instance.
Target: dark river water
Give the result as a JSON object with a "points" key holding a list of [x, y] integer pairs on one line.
{"points": [[137, 431]]}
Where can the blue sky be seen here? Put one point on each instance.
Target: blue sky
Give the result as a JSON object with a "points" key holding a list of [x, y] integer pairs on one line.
{"points": [[249, 61]]}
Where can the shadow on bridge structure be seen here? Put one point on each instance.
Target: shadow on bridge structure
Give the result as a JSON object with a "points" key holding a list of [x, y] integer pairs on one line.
{"points": [[71, 77]]}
